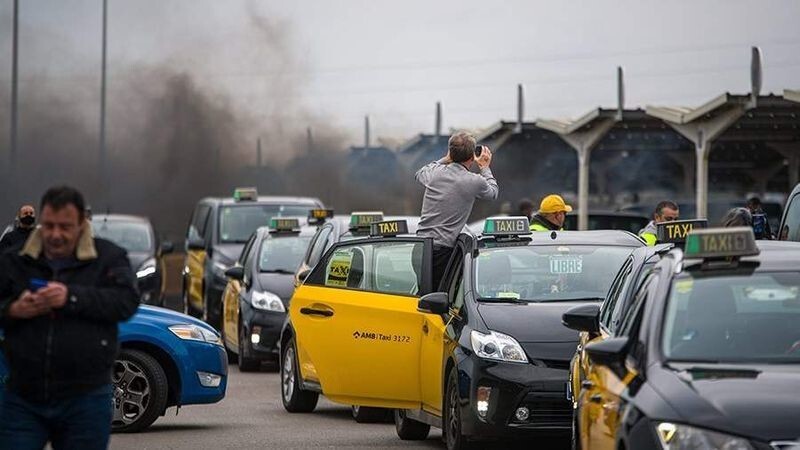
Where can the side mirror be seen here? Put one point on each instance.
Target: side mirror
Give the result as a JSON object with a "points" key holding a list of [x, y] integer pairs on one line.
{"points": [[235, 272], [609, 352], [583, 318], [195, 243], [434, 303], [167, 247], [303, 274]]}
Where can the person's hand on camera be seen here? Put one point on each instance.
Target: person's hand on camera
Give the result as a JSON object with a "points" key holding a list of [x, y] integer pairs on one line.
{"points": [[485, 159], [28, 305]]}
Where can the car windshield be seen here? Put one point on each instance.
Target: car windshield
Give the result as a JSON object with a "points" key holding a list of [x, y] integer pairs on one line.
{"points": [[134, 237], [548, 273], [282, 253], [238, 222], [745, 318]]}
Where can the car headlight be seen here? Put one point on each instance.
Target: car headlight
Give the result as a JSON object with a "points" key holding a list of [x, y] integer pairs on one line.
{"points": [[497, 346], [675, 436], [266, 301], [195, 333], [147, 268]]}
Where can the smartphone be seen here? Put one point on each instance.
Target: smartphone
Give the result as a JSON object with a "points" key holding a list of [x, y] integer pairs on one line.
{"points": [[36, 283]]}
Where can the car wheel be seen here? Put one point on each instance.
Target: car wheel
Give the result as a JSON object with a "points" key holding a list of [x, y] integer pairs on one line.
{"points": [[246, 364], [295, 399], [368, 414], [409, 429], [140, 391], [453, 436]]}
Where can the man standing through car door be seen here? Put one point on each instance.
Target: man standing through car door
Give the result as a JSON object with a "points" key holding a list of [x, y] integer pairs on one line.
{"points": [[61, 297], [450, 191]]}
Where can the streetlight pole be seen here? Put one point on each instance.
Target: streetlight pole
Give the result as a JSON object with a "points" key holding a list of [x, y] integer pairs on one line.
{"points": [[12, 154], [102, 153]]}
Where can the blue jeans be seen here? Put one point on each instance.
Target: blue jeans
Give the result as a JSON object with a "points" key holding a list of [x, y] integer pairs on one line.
{"points": [[81, 422]]}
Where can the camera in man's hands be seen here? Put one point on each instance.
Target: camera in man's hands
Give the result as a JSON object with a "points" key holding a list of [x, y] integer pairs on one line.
{"points": [[478, 151]]}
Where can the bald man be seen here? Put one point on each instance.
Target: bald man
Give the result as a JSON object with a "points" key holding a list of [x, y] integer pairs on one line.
{"points": [[24, 223]]}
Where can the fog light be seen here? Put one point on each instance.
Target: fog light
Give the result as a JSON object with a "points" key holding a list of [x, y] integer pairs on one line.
{"points": [[522, 414], [209, 379], [483, 400], [255, 338]]}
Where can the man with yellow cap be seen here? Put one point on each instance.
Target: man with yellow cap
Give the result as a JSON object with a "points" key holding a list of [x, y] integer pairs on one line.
{"points": [[552, 213]]}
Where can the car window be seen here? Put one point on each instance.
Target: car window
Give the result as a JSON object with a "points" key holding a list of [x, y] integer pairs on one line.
{"points": [[246, 250], [282, 254], [135, 237], [546, 273], [386, 267], [319, 246], [455, 292], [238, 222], [791, 226], [197, 228], [631, 314], [612, 299]]}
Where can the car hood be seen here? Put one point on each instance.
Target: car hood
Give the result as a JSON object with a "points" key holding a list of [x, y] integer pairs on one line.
{"points": [[754, 401], [166, 317], [228, 253], [137, 258], [529, 322], [280, 284]]}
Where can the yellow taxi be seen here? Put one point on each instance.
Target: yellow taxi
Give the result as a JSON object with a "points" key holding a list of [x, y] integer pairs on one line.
{"points": [[218, 230]]}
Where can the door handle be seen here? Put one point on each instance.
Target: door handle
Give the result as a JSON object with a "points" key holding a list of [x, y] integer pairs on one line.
{"points": [[596, 398], [586, 384], [316, 312]]}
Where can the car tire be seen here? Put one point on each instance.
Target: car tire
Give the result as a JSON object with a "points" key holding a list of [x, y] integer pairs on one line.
{"points": [[294, 398], [409, 429], [140, 391], [576, 438], [246, 364], [451, 426], [368, 414]]}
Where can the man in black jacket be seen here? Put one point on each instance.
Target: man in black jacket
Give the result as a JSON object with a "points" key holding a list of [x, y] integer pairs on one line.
{"points": [[61, 297], [24, 224]]}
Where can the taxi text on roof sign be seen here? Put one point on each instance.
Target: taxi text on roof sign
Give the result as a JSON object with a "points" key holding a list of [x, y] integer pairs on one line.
{"points": [[245, 193], [320, 214], [676, 231], [721, 243], [364, 219], [389, 228], [506, 226], [284, 224]]}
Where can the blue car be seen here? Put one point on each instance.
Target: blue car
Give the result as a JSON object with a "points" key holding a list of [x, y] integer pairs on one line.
{"points": [[166, 359]]}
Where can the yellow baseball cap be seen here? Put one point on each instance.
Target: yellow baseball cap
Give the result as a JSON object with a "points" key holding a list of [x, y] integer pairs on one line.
{"points": [[553, 204]]}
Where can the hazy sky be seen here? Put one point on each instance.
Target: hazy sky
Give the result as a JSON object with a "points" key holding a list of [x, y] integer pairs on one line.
{"points": [[339, 60]]}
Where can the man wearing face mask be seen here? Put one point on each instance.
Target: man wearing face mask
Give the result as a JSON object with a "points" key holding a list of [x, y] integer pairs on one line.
{"points": [[24, 223]]}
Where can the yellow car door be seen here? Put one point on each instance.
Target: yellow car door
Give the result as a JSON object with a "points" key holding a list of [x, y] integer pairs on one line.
{"points": [[355, 320]]}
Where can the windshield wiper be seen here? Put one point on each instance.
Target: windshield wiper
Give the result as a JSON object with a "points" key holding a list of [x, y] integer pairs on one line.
{"points": [[284, 271], [579, 299], [501, 300]]}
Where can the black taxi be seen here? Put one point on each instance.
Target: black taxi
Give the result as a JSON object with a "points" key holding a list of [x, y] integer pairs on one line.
{"points": [[484, 356], [259, 287], [708, 354]]}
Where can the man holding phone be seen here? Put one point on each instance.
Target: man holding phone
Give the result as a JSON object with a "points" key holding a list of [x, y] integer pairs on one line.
{"points": [[61, 297], [450, 192]]}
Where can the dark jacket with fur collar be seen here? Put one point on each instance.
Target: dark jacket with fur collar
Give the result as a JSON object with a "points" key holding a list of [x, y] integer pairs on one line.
{"points": [[71, 350]]}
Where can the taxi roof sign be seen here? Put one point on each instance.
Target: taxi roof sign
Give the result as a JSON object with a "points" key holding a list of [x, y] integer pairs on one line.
{"points": [[284, 224], [245, 193], [675, 232], [388, 228], [363, 220], [320, 215], [717, 243], [506, 226]]}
